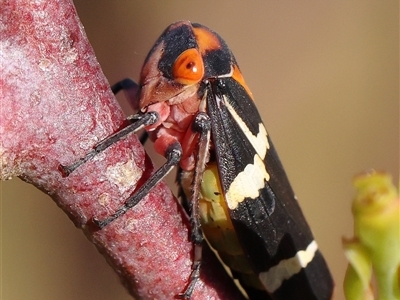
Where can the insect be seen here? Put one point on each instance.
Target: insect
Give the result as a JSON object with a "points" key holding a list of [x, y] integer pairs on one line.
{"points": [[199, 112]]}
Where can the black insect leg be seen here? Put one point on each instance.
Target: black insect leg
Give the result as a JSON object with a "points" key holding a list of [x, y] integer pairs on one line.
{"points": [[202, 125], [139, 122], [132, 92], [173, 156]]}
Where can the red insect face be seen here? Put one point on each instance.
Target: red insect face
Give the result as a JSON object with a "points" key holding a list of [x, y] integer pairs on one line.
{"points": [[183, 56], [173, 79]]}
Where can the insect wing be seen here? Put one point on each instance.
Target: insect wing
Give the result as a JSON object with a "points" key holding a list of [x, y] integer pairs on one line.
{"points": [[264, 211]]}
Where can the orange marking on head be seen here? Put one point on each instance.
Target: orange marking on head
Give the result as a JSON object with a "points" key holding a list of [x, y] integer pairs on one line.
{"points": [[188, 67], [237, 75], [206, 40]]}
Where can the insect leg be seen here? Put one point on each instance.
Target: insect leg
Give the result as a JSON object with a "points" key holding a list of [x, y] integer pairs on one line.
{"points": [[139, 121], [202, 125], [173, 156], [131, 91]]}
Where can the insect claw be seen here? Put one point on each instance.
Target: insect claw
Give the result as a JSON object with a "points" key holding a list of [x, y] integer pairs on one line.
{"points": [[194, 276], [65, 170], [100, 224]]}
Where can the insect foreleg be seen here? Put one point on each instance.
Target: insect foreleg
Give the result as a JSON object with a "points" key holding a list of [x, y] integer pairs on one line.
{"points": [[131, 90], [139, 122]]}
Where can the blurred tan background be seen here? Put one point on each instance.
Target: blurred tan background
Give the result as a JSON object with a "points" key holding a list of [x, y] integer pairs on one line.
{"points": [[325, 76]]}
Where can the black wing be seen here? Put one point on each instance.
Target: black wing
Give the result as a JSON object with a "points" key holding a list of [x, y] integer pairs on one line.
{"points": [[264, 211]]}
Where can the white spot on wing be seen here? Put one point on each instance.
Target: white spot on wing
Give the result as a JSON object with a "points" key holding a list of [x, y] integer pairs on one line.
{"points": [[247, 183], [259, 142], [274, 277]]}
